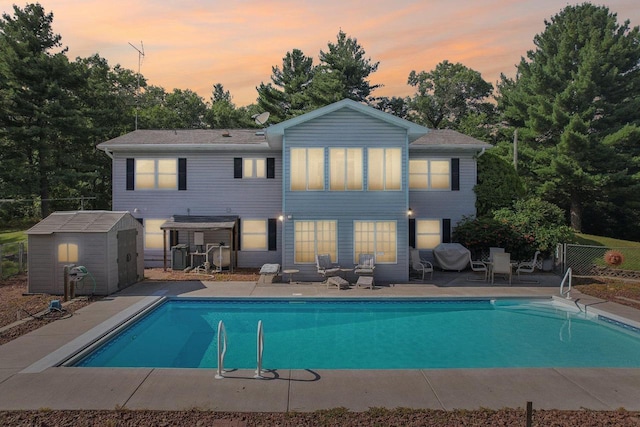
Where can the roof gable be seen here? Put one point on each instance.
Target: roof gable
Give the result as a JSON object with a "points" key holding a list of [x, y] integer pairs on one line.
{"points": [[276, 132]]}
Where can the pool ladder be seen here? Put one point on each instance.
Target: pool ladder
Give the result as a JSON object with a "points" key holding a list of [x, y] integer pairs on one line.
{"points": [[222, 350]]}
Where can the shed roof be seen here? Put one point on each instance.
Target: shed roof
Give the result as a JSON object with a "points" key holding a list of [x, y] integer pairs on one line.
{"points": [[195, 222], [78, 222]]}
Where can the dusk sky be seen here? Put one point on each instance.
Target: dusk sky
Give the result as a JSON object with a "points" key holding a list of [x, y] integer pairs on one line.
{"points": [[193, 44]]}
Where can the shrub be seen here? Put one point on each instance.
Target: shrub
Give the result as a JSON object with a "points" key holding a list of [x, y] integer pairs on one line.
{"points": [[479, 234]]}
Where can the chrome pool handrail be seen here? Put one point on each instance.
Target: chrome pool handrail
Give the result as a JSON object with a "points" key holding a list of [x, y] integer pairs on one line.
{"points": [[566, 293], [259, 350], [222, 349]]}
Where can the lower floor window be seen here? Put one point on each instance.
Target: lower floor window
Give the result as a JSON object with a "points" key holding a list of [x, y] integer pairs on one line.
{"points": [[254, 235], [153, 235], [428, 233], [375, 237], [315, 237]]}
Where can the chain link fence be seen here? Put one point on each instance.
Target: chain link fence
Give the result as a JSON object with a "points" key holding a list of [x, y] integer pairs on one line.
{"points": [[584, 260], [13, 259]]}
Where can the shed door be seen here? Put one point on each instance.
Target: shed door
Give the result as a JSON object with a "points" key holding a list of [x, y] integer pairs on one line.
{"points": [[127, 258]]}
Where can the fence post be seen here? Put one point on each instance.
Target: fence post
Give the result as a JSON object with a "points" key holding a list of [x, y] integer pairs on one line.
{"points": [[1, 262], [21, 257]]}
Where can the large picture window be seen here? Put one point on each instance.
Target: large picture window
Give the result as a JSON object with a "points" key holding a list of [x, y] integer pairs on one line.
{"points": [[345, 169], [430, 174], [384, 169], [315, 237], [307, 169], [157, 174], [428, 233], [153, 235], [254, 235], [375, 237]]}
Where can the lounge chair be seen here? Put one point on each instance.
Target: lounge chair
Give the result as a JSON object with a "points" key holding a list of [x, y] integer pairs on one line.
{"points": [[268, 273], [325, 267], [420, 265], [479, 267], [366, 265], [501, 265], [528, 266]]}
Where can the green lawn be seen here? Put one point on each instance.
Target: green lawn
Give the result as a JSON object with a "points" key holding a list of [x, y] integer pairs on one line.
{"points": [[12, 237], [589, 239]]}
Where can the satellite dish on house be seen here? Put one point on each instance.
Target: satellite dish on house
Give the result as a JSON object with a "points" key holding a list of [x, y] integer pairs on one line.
{"points": [[261, 118]]}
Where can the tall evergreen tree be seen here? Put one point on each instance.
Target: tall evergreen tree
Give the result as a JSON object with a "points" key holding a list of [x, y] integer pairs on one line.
{"points": [[347, 60], [446, 96], [579, 85], [285, 97], [41, 112]]}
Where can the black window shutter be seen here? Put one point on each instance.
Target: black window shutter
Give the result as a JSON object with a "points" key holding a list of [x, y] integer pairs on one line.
{"points": [[182, 174], [131, 174], [272, 233], [239, 234], [271, 167], [455, 174], [446, 230], [412, 232], [237, 167]]}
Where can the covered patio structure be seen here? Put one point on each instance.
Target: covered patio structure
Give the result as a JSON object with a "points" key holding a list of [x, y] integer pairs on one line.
{"points": [[201, 234]]}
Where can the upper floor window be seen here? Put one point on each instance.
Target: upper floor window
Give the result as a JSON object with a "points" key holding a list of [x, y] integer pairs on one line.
{"points": [[430, 174], [345, 169], [384, 168], [156, 174], [307, 169], [254, 167]]}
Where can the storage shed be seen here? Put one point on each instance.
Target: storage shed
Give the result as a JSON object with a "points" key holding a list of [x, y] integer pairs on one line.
{"points": [[109, 245]]}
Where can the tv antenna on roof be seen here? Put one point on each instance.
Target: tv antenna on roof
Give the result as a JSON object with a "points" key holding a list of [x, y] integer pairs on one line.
{"points": [[140, 56], [261, 118]]}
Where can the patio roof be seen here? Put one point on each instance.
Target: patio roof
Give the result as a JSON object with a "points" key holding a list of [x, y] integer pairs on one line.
{"points": [[191, 222]]}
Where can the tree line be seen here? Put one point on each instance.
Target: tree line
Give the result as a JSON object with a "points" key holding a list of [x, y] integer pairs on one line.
{"points": [[574, 105]]}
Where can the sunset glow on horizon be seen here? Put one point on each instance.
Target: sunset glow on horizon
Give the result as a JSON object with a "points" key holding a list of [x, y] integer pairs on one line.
{"points": [[194, 44]]}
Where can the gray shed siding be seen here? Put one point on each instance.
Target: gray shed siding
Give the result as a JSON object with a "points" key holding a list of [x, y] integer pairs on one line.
{"points": [[347, 128], [97, 251], [211, 190]]}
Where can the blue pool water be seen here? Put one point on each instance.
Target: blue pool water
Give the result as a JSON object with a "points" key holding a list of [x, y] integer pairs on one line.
{"points": [[370, 334]]}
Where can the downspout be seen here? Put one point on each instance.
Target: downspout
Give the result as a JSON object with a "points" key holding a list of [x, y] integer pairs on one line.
{"points": [[482, 152]]}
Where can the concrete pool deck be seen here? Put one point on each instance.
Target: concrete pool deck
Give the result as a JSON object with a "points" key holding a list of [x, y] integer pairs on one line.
{"points": [[26, 381]]}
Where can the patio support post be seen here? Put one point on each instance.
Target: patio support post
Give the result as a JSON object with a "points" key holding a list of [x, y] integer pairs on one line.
{"points": [[164, 250]]}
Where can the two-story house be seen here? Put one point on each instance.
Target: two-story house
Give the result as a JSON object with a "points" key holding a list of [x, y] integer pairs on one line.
{"points": [[344, 179]]}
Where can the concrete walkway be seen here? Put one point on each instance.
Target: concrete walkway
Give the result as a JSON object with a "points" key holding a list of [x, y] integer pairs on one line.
{"points": [[29, 381]]}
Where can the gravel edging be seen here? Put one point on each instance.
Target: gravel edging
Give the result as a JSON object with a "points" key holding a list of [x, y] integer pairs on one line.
{"points": [[333, 417]]}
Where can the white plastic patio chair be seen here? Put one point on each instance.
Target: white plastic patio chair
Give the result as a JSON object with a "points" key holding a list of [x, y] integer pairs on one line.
{"points": [[420, 265], [501, 265]]}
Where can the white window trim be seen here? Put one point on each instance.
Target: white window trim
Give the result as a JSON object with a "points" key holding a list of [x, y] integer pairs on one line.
{"points": [[156, 174], [429, 180]]}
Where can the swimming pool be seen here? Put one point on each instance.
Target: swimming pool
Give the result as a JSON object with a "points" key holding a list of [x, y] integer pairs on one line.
{"points": [[369, 334]]}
